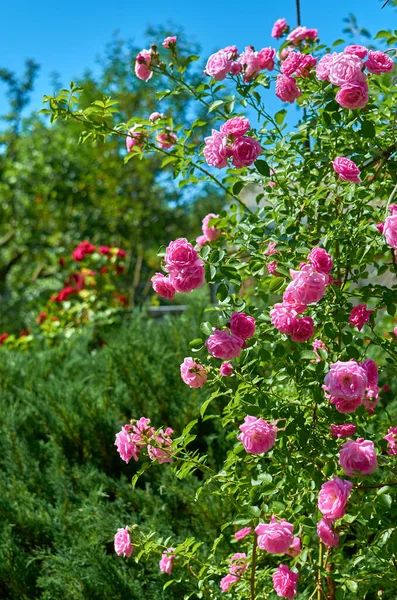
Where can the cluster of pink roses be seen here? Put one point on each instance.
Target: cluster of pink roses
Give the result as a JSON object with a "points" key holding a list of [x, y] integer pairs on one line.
{"points": [[123, 546], [297, 64], [350, 384], [332, 501], [228, 343], [231, 142], [238, 564], [136, 137], [249, 63], [276, 537], [185, 269], [147, 59], [210, 234], [138, 434], [308, 285], [346, 70]]}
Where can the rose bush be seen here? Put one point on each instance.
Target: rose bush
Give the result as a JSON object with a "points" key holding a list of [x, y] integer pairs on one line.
{"points": [[292, 492]]}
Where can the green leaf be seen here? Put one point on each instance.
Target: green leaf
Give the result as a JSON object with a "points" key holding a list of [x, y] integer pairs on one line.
{"points": [[214, 105], [351, 585], [262, 167], [197, 343], [206, 328], [280, 116]]}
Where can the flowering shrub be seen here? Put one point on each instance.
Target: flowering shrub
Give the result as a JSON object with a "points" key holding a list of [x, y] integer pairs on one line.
{"points": [[309, 511]]}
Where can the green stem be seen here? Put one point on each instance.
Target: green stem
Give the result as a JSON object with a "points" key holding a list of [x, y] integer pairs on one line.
{"points": [[253, 567], [320, 566]]}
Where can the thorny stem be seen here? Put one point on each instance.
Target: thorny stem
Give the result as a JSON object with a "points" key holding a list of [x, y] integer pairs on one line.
{"points": [[253, 567], [194, 164], [320, 566]]}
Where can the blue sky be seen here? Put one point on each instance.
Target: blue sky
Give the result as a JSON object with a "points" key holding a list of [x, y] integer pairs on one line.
{"points": [[67, 39]]}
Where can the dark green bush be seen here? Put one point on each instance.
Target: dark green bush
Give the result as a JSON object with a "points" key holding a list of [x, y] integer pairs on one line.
{"points": [[64, 490]]}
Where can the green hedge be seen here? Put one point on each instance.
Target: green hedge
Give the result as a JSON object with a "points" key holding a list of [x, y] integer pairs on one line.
{"points": [[64, 490]]}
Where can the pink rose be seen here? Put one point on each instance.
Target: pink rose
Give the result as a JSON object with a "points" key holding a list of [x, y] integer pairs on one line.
{"points": [[271, 249], [323, 67], [142, 65], [346, 405], [192, 373], [201, 240], [390, 230], [218, 65], [360, 51], [333, 498], [318, 345], [279, 27], [291, 64], [378, 62], [257, 435], [287, 89], [380, 227], [236, 67], [250, 62], [231, 51], [167, 561], [242, 533], [122, 542], [155, 116], [358, 457], [216, 152], [359, 315], [346, 380], [307, 285], [236, 127], [163, 286], [346, 169], [353, 95], [302, 329], [391, 439], [245, 151], [227, 581], [345, 68], [162, 451], [282, 317], [326, 533], [284, 582], [211, 233], [302, 33], [272, 268], [167, 139], [320, 260], [188, 279], [226, 369], [179, 255], [307, 63], [224, 344], [242, 325], [126, 444], [266, 58], [135, 138], [295, 548], [238, 564], [169, 41], [342, 431], [275, 537]]}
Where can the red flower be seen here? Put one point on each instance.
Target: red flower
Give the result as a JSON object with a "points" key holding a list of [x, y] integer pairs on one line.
{"points": [[121, 253], [82, 250], [122, 299], [103, 270], [3, 338], [76, 280], [24, 332], [41, 317], [104, 250], [63, 294], [62, 261]]}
